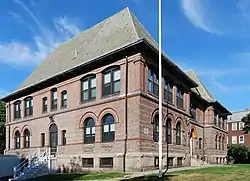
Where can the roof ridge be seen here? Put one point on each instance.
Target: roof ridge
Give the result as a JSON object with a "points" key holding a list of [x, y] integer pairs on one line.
{"points": [[204, 87], [131, 19]]}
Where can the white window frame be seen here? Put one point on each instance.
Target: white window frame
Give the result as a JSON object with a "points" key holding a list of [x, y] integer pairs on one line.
{"points": [[243, 139], [227, 140], [241, 124], [227, 126], [234, 126], [234, 141]]}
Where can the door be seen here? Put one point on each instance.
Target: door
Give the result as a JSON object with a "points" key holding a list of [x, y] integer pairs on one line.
{"points": [[53, 139]]}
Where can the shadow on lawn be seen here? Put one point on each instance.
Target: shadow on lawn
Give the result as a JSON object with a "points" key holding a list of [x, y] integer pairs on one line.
{"points": [[61, 177], [150, 178]]}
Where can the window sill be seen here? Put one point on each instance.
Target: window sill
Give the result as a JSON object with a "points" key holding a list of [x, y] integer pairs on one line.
{"points": [[87, 101], [106, 166], [88, 143], [154, 95], [17, 119], [181, 108], [110, 95], [88, 166], [28, 116], [44, 112], [107, 141], [64, 107], [167, 102]]}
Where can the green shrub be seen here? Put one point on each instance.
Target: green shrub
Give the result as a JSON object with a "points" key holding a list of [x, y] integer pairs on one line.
{"points": [[238, 154]]}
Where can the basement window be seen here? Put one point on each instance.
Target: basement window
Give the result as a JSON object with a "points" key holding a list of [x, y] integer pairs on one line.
{"points": [[106, 162], [88, 162]]}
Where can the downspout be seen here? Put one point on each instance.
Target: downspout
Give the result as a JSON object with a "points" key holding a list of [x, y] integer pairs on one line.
{"points": [[126, 115], [204, 116], [9, 125]]}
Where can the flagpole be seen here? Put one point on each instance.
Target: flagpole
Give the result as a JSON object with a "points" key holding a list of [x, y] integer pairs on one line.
{"points": [[160, 94]]}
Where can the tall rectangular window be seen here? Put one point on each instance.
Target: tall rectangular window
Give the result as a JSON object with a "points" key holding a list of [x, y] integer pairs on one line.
{"points": [[153, 82], [241, 125], [42, 139], [88, 88], [64, 99], [45, 104], [234, 126], [28, 103], [215, 119], [241, 139], [63, 137], [193, 111], [168, 91], [111, 82], [180, 97], [17, 110], [234, 139], [54, 99]]}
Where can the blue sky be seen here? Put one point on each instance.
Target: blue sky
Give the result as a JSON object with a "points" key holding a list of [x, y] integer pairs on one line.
{"points": [[209, 36]]}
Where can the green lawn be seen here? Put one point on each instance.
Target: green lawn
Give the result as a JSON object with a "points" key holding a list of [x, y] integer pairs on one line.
{"points": [[87, 176], [220, 173]]}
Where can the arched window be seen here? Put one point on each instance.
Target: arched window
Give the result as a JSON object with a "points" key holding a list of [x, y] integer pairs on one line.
{"points": [[200, 143], [17, 140], [64, 99], [108, 128], [53, 138], [178, 133], [169, 131], [216, 137], [89, 131], [26, 138]]}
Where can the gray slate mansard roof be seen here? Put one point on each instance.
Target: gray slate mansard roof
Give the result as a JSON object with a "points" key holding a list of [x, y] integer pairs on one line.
{"points": [[118, 31]]}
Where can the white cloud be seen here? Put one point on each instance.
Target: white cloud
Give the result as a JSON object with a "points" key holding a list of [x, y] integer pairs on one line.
{"points": [[197, 12], [45, 39], [3, 93], [65, 25]]}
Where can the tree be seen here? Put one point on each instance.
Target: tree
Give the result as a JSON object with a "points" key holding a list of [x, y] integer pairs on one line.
{"points": [[246, 121], [238, 154], [2, 128]]}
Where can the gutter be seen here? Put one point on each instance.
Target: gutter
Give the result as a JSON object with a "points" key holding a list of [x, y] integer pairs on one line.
{"points": [[77, 67], [141, 40], [9, 125]]}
